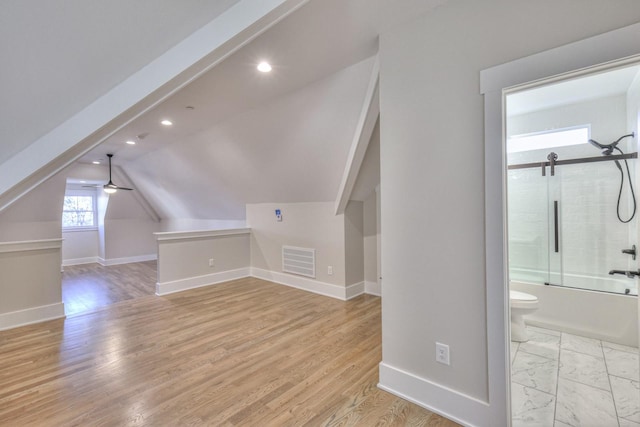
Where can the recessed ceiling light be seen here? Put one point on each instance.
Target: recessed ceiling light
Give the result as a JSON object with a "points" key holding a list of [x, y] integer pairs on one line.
{"points": [[131, 142], [167, 122], [96, 162], [264, 67]]}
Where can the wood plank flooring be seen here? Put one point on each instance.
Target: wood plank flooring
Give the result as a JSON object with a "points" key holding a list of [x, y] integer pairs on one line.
{"points": [[241, 353], [89, 286]]}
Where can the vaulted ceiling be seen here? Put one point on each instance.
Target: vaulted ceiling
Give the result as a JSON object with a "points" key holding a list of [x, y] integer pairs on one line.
{"points": [[246, 138]]}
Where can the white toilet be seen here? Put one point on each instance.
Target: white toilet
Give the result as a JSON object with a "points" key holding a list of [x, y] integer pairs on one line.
{"points": [[521, 305]]}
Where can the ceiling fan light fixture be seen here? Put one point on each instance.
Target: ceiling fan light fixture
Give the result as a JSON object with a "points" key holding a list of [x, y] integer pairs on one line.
{"points": [[109, 190]]}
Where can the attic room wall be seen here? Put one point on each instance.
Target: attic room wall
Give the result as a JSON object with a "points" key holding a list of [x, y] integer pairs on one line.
{"points": [[38, 215], [433, 246], [307, 225], [370, 243], [354, 243], [128, 230]]}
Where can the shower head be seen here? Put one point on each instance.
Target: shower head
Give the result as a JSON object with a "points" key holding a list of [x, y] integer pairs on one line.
{"points": [[606, 149]]}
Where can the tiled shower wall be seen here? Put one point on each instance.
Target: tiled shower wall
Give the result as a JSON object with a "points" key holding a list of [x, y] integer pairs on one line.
{"points": [[590, 235]]}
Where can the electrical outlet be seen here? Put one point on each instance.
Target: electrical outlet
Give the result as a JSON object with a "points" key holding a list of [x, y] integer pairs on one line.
{"points": [[330, 271], [442, 353], [211, 262]]}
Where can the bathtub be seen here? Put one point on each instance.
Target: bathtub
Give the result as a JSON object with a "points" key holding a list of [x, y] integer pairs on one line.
{"points": [[604, 316]]}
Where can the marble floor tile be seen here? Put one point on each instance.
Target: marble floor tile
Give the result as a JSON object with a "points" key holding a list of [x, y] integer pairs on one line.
{"points": [[543, 330], [627, 423], [583, 405], [620, 347], [530, 407], [583, 368], [544, 345], [557, 423], [622, 364], [626, 396], [536, 372], [581, 345]]}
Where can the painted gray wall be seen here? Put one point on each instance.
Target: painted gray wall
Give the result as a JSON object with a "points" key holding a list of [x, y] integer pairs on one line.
{"points": [[306, 225], [433, 256], [354, 242]]}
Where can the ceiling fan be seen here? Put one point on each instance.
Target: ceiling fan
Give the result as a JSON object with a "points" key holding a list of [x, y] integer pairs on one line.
{"points": [[110, 187]]}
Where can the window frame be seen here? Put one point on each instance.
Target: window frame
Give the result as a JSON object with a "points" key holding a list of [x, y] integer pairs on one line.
{"points": [[70, 192]]}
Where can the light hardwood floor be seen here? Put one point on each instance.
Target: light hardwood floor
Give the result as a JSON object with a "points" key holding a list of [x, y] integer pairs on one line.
{"points": [[241, 353], [89, 286]]}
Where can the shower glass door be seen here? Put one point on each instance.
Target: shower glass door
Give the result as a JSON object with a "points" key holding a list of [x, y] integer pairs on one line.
{"points": [[529, 239], [591, 236], [564, 228]]}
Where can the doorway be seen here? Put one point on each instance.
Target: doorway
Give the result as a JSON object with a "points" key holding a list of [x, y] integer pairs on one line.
{"points": [[571, 230]]}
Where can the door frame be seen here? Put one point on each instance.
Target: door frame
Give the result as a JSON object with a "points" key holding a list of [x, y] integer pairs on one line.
{"points": [[588, 55]]}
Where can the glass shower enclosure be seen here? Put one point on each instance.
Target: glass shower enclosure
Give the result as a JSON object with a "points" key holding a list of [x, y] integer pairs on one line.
{"points": [[570, 223]]}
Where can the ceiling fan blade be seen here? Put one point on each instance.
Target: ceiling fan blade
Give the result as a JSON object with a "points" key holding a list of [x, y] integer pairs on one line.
{"points": [[125, 188], [91, 186]]}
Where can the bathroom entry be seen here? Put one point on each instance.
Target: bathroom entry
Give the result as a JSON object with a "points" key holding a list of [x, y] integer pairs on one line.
{"points": [[573, 242]]}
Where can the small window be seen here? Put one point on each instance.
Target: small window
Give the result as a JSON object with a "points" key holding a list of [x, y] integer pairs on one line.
{"points": [[548, 139], [79, 210]]}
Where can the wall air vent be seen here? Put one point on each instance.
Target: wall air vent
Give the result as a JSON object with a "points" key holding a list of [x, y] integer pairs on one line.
{"points": [[300, 261]]}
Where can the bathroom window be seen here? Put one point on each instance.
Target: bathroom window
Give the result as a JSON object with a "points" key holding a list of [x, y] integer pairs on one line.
{"points": [[79, 210], [548, 139]]}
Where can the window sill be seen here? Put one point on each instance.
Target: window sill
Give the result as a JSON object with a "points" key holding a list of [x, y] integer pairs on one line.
{"points": [[76, 229]]}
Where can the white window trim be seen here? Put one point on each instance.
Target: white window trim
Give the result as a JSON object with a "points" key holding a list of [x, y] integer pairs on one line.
{"points": [[71, 191]]}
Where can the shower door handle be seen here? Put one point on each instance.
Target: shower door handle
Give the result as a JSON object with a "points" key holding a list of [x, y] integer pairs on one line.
{"points": [[555, 226]]}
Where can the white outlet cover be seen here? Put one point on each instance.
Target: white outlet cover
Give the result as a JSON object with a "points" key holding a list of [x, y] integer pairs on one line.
{"points": [[442, 353]]}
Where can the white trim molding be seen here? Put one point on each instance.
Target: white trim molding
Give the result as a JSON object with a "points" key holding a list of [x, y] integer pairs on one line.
{"points": [[126, 260], [373, 288], [199, 234], [80, 261], [321, 288], [364, 130], [200, 281], [442, 400], [30, 245], [14, 319]]}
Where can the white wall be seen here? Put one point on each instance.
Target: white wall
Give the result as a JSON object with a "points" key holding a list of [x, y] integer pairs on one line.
{"points": [[79, 246], [30, 282], [432, 169], [306, 225], [128, 229], [37, 215], [354, 243], [370, 242], [184, 258]]}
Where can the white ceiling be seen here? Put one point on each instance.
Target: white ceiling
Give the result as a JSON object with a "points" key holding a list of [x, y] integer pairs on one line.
{"points": [[251, 137], [594, 86], [57, 57]]}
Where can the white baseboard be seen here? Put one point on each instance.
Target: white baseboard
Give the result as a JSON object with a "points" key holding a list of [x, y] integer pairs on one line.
{"points": [[200, 281], [310, 285], [127, 260], [372, 288], [354, 290], [28, 316], [79, 261], [434, 397]]}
